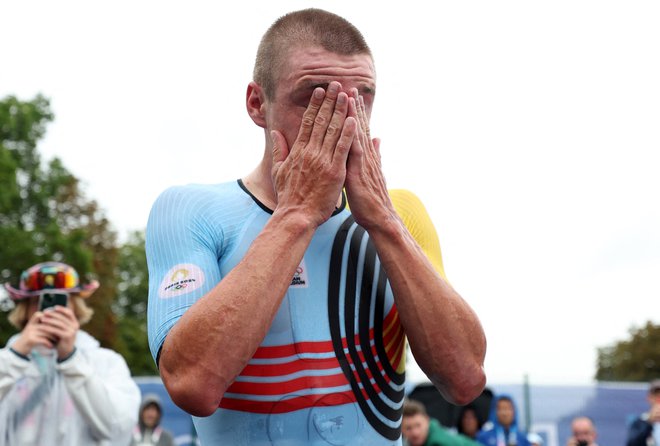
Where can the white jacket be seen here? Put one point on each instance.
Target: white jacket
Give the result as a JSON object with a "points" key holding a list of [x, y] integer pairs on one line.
{"points": [[88, 399]]}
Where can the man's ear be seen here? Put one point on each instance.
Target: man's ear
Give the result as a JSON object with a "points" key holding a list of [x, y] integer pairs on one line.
{"points": [[255, 102]]}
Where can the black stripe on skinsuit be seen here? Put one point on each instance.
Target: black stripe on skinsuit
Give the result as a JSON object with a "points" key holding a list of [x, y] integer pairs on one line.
{"points": [[336, 266], [396, 377], [365, 313], [350, 298]]}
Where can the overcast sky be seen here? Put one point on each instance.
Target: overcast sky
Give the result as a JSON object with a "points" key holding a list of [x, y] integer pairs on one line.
{"points": [[531, 131]]}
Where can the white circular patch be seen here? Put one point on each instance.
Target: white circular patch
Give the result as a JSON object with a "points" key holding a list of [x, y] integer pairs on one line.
{"points": [[181, 279]]}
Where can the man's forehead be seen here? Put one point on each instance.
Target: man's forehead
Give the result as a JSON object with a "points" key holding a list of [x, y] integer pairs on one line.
{"points": [[316, 64], [297, 50]]}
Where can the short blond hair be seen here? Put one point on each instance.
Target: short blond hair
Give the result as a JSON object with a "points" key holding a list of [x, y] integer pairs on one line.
{"points": [[307, 27], [18, 317]]}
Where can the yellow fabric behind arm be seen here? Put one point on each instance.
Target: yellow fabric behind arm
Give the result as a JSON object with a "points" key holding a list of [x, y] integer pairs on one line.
{"points": [[413, 213]]}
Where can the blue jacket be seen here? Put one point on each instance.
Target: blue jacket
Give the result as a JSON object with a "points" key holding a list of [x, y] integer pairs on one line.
{"points": [[494, 433], [640, 431]]}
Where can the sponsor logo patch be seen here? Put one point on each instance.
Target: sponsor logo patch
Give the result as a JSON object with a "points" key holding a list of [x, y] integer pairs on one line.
{"points": [[181, 279], [300, 279]]}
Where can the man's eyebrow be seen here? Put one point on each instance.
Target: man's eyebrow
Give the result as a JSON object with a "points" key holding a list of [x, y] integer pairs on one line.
{"points": [[363, 89], [312, 85]]}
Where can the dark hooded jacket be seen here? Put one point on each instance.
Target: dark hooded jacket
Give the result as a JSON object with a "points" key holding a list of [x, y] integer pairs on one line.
{"points": [[156, 436], [494, 434]]}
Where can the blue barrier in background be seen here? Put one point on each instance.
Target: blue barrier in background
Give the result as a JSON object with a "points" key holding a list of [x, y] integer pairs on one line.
{"points": [[611, 405]]}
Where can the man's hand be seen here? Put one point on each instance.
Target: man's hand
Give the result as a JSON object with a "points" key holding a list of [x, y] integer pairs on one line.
{"points": [[60, 323], [365, 183], [309, 176]]}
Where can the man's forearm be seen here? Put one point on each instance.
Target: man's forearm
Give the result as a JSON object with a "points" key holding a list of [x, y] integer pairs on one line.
{"points": [[444, 333], [216, 337]]}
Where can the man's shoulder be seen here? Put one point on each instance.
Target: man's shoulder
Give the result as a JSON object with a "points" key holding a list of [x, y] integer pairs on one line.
{"points": [[195, 197], [199, 189]]}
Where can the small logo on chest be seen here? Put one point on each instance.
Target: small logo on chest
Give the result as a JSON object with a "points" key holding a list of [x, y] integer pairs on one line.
{"points": [[300, 279]]}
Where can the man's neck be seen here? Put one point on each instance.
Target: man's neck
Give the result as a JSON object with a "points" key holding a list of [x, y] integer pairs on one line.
{"points": [[260, 184]]}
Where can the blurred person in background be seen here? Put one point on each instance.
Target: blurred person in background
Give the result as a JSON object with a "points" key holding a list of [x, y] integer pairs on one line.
{"points": [[419, 429], [645, 430], [503, 427], [583, 432], [148, 431], [469, 423], [57, 385]]}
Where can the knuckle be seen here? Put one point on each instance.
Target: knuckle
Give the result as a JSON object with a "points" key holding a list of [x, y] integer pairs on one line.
{"points": [[307, 121], [342, 145], [342, 150], [320, 119], [333, 129]]}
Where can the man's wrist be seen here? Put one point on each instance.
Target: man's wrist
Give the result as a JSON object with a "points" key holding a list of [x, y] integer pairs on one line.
{"points": [[294, 220], [389, 228]]}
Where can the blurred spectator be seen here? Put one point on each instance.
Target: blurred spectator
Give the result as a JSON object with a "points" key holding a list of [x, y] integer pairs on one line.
{"points": [[57, 385], [534, 439], [469, 423], [503, 429], [645, 430], [418, 429], [583, 432], [149, 432]]}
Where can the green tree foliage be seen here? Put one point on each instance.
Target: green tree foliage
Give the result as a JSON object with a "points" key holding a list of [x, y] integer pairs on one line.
{"points": [[131, 305], [44, 215], [636, 359]]}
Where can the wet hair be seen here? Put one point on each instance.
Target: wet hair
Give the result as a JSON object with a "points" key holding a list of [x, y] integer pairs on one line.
{"points": [[304, 28], [18, 317], [413, 407]]}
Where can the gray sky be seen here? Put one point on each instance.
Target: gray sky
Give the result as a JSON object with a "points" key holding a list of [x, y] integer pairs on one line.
{"points": [[529, 129]]}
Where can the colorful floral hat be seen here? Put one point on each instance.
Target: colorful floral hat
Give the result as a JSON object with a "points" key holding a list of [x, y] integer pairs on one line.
{"points": [[50, 276]]}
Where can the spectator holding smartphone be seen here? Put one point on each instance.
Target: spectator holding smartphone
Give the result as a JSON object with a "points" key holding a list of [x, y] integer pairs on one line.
{"points": [[583, 432], [57, 385]]}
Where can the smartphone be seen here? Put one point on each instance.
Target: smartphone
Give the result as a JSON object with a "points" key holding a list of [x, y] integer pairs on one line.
{"points": [[48, 300]]}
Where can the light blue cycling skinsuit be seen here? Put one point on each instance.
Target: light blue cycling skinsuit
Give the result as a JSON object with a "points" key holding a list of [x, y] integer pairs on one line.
{"points": [[330, 371]]}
